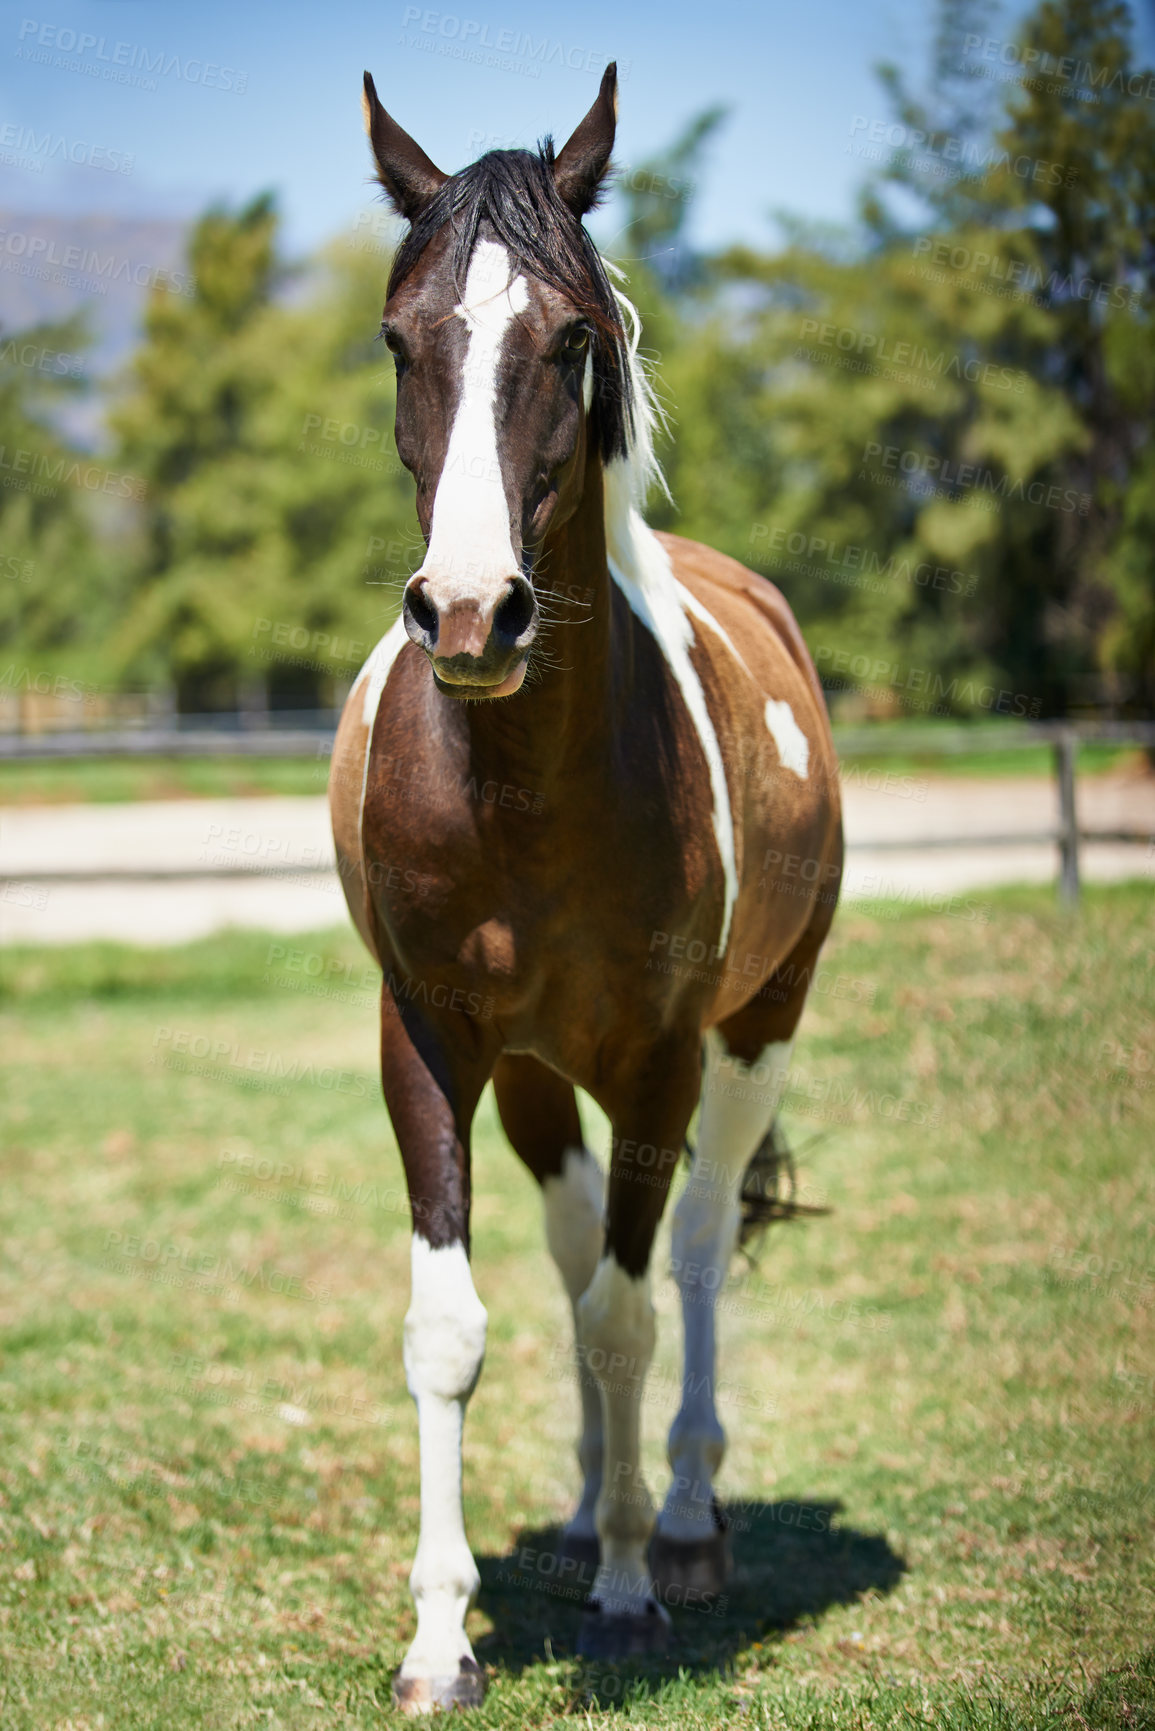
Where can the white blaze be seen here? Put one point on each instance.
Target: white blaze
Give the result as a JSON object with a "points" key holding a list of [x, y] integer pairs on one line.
{"points": [[470, 535]]}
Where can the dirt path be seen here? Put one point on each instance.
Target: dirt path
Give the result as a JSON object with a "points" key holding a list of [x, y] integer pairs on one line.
{"points": [[269, 862]]}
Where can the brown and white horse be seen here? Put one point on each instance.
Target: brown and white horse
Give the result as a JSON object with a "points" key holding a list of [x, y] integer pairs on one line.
{"points": [[611, 731]]}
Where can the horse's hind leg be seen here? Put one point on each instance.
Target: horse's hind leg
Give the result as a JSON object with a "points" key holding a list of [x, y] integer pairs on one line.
{"points": [[747, 1059], [649, 1095], [540, 1117]]}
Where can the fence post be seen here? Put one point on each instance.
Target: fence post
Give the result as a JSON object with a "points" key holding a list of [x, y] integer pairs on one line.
{"points": [[1066, 746]]}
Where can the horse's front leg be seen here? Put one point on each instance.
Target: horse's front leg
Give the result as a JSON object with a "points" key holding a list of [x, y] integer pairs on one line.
{"points": [[615, 1320], [432, 1079]]}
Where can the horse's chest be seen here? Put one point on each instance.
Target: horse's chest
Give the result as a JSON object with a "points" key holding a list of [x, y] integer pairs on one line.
{"points": [[521, 905]]}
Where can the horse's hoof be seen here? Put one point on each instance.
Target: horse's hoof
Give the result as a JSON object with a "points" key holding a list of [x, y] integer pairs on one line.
{"points": [[416, 1695], [699, 1565], [618, 1636]]}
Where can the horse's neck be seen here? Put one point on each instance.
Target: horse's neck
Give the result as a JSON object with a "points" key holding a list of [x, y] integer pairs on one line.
{"points": [[564, 707]]}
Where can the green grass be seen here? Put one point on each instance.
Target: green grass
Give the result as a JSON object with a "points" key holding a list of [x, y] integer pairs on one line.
{"points": [[940, 1397], [115, 779], [1010, 761]]}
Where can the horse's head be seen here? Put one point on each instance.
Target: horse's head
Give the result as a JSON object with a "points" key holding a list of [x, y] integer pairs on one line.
{"points": [[512, 366]]}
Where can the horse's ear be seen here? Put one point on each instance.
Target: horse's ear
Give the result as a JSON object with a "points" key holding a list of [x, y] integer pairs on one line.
{"points": [[581, 166], [409, 178]]}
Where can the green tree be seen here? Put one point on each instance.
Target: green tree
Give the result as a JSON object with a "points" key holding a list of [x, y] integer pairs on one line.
{"points": [[47, 546], [275, 495], [936, 435], [1059, 195]]}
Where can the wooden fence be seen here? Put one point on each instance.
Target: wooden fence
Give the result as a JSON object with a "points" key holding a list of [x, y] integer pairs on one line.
{"points": [[312, 736]]}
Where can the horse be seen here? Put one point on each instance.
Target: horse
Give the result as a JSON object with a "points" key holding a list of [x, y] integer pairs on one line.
{"points": [[621, 868]]}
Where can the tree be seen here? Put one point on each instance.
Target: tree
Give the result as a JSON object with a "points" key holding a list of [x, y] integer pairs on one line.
{"points": [[275, 497], [937, 439], [47, 547]]}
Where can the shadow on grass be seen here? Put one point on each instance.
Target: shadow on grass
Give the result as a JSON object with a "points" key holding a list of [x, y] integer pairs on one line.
{"points": [[791, 1561]]}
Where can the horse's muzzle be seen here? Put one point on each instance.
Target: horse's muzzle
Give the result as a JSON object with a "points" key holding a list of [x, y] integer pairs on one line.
{"points": [[477, 642]]}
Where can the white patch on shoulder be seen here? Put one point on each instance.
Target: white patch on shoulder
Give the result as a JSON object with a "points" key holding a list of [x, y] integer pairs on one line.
{"points": [[693, 605], [470, 536], [793, 745], [375, 673], [640, 566]]}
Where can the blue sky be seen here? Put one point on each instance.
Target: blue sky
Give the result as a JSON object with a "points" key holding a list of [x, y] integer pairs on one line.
{"points": [[795, 76]]}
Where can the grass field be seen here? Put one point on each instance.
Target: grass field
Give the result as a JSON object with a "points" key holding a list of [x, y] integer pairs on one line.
{"points": [[112, 779], [940, 1397]]}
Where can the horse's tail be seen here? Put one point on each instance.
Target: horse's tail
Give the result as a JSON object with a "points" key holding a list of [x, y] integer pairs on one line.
{"points": [[769, 1187]]}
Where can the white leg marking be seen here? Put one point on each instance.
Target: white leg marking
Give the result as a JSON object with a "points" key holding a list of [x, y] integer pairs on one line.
{"points": [[739, 1104], [574, 1204], [444, 1348], [793, 745], [470, 534], [616, 1330]]}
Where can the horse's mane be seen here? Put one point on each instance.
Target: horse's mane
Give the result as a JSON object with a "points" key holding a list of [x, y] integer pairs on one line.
{"points": [[512, 193]]}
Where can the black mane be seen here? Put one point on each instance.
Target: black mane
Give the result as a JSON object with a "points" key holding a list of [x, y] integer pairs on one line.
{"points": [[512, 192]]}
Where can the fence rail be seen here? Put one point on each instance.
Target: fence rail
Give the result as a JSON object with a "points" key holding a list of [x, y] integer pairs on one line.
{"points": [[237, 737]]}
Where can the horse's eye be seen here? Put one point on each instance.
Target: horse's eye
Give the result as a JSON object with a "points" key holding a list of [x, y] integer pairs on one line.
{"points": [[576, 343], [394, 344]]}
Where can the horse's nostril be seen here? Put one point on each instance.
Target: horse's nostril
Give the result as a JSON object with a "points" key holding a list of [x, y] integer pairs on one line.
{"points": [[516, 614], [421, 613]]}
